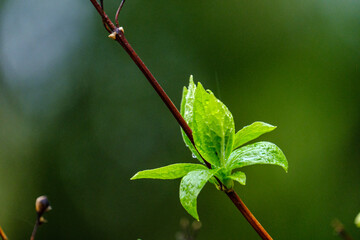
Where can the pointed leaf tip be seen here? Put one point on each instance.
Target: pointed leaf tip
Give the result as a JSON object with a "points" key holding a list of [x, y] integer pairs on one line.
{"points": [[134, 177]]}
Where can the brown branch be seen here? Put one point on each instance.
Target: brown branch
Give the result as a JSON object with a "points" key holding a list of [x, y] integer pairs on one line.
{"points": [[118, 35], [340, 230], [36, 226], [247, 214], [2, 234]]}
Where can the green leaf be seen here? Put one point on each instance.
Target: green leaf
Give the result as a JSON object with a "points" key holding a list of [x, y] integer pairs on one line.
{"points": [[213, 127], [240, 177], [357, 220], [186, 110], [190, 188], [251, 132], [257, 153], [173, 171]]}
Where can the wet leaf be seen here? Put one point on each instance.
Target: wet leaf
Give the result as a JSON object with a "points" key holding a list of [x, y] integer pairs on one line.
{"points": [[251, 132], [190, 187], [173, 171], [240, 177], [186, 110], [213, 127], [257, 153]]}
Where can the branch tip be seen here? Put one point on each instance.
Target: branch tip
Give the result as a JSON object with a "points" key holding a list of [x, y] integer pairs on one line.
{"points": [[118, 12]]}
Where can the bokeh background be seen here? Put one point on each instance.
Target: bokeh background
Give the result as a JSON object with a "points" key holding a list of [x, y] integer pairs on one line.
{"points": [[78, 119]]}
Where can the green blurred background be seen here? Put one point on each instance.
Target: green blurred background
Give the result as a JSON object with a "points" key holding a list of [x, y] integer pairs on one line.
{"points": [[78, 119]]}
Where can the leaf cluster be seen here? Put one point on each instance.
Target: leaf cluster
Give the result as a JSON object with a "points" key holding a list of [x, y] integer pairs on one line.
{"points": [[216, 142]]}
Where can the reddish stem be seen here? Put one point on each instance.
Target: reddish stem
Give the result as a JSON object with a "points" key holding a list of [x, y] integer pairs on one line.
{"points": [[36, 227], [248, 215], [175, 112], [3, 235], [120, 38]]}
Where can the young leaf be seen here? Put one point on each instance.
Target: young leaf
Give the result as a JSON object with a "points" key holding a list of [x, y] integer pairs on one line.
{"points": [[213, 127], [240, 177], [357, 220], [186, 110], [173, 171], [257, 153], [190, 188], [251, 132]]}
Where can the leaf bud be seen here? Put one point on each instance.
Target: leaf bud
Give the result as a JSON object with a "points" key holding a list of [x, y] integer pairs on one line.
{"points": [[42, 205]]}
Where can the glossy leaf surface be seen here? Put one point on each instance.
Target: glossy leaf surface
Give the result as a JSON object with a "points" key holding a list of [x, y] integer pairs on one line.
{"points": [[186, 110], [190, 188], [257, 153], [251, 132], [173, 171], [213, 127], [240, 177]]}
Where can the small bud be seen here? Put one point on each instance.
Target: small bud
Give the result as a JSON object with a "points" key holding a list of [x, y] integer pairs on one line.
{"points": [[42, 220], [112, 35], [42, 205], [117, 31]]}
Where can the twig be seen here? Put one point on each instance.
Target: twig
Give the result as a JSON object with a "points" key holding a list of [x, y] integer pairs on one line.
{"points": [[118, 35], [37, 224], [247, 214], [118, 12], [340, 230], [2, 234], [42, 205]]}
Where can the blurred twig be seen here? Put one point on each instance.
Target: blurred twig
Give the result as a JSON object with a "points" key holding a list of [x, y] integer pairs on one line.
{"points": [[340, 230], [42, 205], [188, 232], [118, 35], [3, 235]]}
